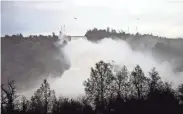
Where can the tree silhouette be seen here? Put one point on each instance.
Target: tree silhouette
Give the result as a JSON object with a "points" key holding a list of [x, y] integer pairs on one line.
{"points": [[139, 82], [180, 89], [121, 83], [44, 98], [98, 86], [8, 96], [24, 104], [155, 80]]}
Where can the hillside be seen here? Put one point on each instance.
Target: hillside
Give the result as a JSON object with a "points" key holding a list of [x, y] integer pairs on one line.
{"points": [[28, 58], [163, 49]]}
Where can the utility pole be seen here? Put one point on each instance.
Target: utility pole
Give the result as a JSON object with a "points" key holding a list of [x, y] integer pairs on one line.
{"points": [[136, 26], [64, 29], [61, 29], [136, 29]]}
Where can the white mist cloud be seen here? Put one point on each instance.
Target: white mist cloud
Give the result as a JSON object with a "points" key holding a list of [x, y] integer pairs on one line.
{"points": [[84, 54]]}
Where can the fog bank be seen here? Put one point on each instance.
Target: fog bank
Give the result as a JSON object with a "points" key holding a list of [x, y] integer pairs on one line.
{"points": [[83, 54]]}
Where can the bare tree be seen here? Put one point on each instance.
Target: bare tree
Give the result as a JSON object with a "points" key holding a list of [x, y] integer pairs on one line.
{"points": [[8, 96]]}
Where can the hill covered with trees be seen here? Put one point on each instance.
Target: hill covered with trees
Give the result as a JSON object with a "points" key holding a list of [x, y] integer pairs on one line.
{"points": [[107, 92], [30, 58], [162, 48], [27, 58]]}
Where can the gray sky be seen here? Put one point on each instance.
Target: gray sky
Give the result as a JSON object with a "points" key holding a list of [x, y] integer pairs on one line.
{"points": [[160, 17]]}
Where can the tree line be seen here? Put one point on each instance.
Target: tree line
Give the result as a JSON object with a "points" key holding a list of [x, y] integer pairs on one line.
{"points": [[167, 45], [20, 36], [107, 91], [98, 34]]}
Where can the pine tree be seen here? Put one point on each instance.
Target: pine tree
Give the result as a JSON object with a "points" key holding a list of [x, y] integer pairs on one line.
{"points": [[121, 82], [139, 82], [43, 98], [98, 86]]}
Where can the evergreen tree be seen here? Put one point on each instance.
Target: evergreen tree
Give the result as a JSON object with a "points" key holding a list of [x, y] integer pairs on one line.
{"points": [[43, 98], [139, 82], [98, 86], [155, 80], [121, 82]]}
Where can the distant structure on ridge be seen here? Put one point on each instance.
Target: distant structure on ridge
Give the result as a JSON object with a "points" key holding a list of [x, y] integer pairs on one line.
{"points": [[66, 38]]}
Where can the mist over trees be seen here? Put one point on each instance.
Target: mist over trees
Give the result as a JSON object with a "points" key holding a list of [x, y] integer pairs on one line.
{"points": [[137, 41], [108, 91], [34, 56], [162, 48]]}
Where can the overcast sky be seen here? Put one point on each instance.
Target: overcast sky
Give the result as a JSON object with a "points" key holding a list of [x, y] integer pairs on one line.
{"points": [[160, 17]]}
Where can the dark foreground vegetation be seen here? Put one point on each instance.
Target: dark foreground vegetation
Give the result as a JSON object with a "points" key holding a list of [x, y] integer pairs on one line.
{"points": [[108, 91]]}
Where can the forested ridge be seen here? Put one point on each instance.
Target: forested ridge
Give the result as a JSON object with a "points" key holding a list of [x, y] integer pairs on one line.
{"points": [[107, 92], [30, 58], [162, 48], [20, 53]]}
